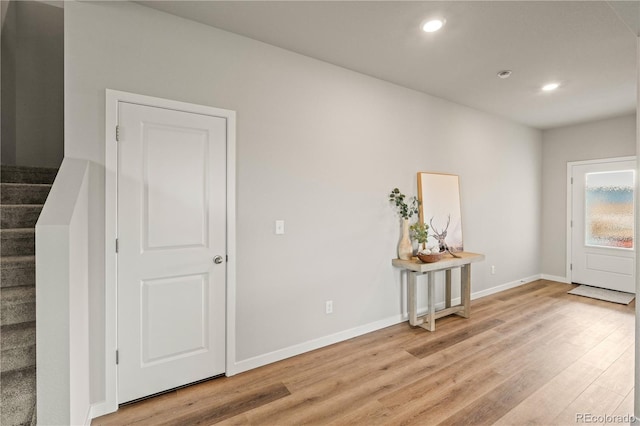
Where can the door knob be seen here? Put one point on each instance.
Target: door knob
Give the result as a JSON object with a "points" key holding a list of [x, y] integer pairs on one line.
{"points": [[217, 260]]}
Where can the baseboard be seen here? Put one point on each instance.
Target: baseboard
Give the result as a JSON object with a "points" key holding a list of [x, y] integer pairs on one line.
{"points": [[100, 409], [280, 354], [478, 294], [88, 416], [503, 287], [557, 278]]}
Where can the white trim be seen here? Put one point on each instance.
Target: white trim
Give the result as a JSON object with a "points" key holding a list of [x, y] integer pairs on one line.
{"points": [[95, 410], [557, 278], [568, 227], [570, 165], [101, 408], [506, 286], [110, 404], [636, 377], [288, 352], [487, 292], [602, 160], [88, 417], [231, 244], [113, 97]]}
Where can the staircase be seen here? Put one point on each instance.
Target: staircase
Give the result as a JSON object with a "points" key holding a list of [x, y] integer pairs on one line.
{"points": [[23, 191]]}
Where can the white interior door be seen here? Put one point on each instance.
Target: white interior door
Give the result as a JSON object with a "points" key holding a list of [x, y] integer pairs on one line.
{"points": [[171, 227], [602, 234]]}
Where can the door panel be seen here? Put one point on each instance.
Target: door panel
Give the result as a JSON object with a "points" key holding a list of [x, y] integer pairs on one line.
{"points": [[188, 323], [171, 224], [175, 196], [602, 235], [613, 264]]}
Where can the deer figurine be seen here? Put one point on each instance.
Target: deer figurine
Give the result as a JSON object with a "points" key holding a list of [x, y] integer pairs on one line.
{"points": [[441, 236]]}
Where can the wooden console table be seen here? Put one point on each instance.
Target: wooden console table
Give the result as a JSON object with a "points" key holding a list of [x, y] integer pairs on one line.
{"points": [[415, 267]]}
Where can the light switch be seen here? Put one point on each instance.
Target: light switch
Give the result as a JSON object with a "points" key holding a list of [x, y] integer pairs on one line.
{"points": [[279, 227]]}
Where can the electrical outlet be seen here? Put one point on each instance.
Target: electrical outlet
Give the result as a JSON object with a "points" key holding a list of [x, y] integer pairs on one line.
{"points": [[493, 269], [279, 227], [328, 307]]}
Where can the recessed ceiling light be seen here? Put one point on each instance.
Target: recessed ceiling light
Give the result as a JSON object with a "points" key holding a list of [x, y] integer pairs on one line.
{"points": [[504, 74], [433, 25], [550, 87]]}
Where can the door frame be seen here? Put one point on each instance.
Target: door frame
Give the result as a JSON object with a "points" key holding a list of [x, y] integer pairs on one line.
{"points": [[570, 164], [113, 97]]}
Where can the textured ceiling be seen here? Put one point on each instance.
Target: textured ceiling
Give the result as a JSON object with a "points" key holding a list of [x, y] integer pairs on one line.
{"points": [[588, 46]]}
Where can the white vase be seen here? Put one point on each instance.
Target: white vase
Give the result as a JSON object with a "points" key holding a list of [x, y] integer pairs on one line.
{"points": [[405, 249]]}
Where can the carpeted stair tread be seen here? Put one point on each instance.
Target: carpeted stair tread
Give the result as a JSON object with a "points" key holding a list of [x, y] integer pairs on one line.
{"points": [[18, 393], [24, 193], [17, 305], [19, 215], [18, 230], [17, 358], [26, 174], [10, 260], [18, 335], [17, 242], [17, 271], [15, 295]]}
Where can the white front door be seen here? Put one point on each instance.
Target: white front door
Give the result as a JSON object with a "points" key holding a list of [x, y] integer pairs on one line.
{"points": [[171, 228], [602, 232]]}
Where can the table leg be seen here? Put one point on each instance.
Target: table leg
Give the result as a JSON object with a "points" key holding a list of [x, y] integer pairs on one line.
{"points": [[465, 281], [411, 298], [431, 288], [447, 289]]}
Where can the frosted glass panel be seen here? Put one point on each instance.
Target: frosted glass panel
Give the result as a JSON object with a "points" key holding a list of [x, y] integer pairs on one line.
{"points": [[609, 209]]}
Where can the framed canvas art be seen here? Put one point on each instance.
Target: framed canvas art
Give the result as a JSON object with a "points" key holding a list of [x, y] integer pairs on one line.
{"points": [[439, 196]]}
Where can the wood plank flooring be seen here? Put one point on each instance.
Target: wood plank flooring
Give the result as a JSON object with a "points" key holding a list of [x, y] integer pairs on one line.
{"points": [[530, 355]]}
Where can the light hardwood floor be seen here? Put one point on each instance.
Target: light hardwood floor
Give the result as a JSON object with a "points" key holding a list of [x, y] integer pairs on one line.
{"points": [[529, 355]]}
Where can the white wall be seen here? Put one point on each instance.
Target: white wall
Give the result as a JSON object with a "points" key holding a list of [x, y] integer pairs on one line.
{"points": [[614, 137], [32, 84], [4, 6], [62, 296], [318, 146], [8, 45]]}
